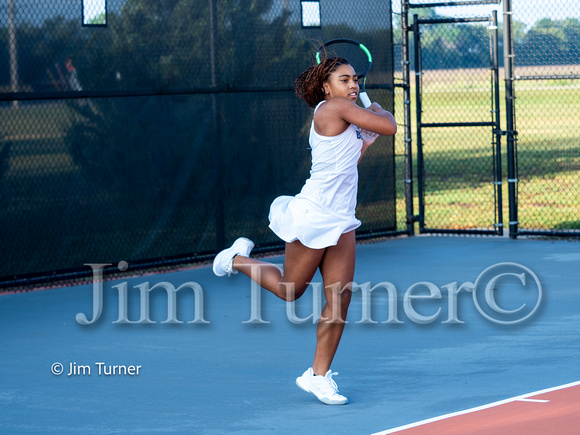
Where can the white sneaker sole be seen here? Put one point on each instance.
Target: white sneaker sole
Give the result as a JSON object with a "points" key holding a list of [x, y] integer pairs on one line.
{"points": [[324, 400], [217, 269]]}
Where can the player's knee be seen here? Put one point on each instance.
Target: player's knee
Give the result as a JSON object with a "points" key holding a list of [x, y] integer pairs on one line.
{"points": [[292, 291], [345, 297], [338, 303], [342, 293], [343, 301]]}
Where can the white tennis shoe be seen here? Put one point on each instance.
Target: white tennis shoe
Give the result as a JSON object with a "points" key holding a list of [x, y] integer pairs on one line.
{"points": [[223, 264], [322, 387]]}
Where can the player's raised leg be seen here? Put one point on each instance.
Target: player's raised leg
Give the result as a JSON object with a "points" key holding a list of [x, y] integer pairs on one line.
{"points": [[300, 265]]}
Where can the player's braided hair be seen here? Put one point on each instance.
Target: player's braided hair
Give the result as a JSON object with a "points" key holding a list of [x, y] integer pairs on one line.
{"points": [[308, 85]]}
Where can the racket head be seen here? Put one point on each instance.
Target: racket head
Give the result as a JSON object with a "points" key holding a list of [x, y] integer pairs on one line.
{"points": [[357, 55]]}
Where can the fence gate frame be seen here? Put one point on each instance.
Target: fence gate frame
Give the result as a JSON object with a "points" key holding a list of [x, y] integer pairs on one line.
{"points": [[494, 123]]}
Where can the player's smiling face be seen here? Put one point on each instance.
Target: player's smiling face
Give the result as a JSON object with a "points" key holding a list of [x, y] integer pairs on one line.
{"points": [[342, 82]]}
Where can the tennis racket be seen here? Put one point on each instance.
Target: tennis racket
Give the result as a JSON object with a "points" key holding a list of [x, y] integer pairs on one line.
{"points": [[358, 56]]}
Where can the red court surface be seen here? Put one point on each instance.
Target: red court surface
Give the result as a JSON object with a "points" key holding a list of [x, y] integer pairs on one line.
{"points": [[551, 411]]}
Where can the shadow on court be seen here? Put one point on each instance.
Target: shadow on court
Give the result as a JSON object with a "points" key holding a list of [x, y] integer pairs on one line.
{"points": [[418, 344]]}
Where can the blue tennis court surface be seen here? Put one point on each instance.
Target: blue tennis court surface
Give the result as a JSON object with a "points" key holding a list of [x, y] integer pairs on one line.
{"points": [[235, 374]]}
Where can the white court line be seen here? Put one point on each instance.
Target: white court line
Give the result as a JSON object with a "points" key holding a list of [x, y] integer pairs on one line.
{"points": [[523, 397], [533, 400]]}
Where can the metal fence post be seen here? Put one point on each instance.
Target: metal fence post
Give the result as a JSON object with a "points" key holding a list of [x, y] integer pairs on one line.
{"points": [[510, 127], [419, 110], [497, 127], [410, 215], [216, 109]]}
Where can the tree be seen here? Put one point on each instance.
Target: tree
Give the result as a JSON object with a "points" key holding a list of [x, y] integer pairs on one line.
{"points": [[571, 29], [544, 44], [138, 148]]}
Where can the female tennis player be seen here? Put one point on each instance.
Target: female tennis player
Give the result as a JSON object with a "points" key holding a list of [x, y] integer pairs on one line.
{"points": [[318, 225]]}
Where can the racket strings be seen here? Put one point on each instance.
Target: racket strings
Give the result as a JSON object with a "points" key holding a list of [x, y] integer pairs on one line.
{"points": [[356, 57]]}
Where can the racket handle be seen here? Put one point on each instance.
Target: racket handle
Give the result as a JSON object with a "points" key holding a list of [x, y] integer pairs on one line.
{"points": [[364, 98]]}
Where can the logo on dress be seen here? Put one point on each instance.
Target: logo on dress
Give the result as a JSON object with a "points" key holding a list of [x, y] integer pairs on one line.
{"points": [[358, 136]]}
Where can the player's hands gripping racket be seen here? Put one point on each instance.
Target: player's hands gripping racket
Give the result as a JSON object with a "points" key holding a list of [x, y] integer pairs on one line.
{"points": [[358, 56]]}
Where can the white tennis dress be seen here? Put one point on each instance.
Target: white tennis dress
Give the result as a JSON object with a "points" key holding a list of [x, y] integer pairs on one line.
{"points": [[325, 207]]}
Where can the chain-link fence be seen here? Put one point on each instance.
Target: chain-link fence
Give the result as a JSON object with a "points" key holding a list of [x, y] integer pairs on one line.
{"points": [[461, 174], [157, 131], [452, 99], [546, 46]]}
